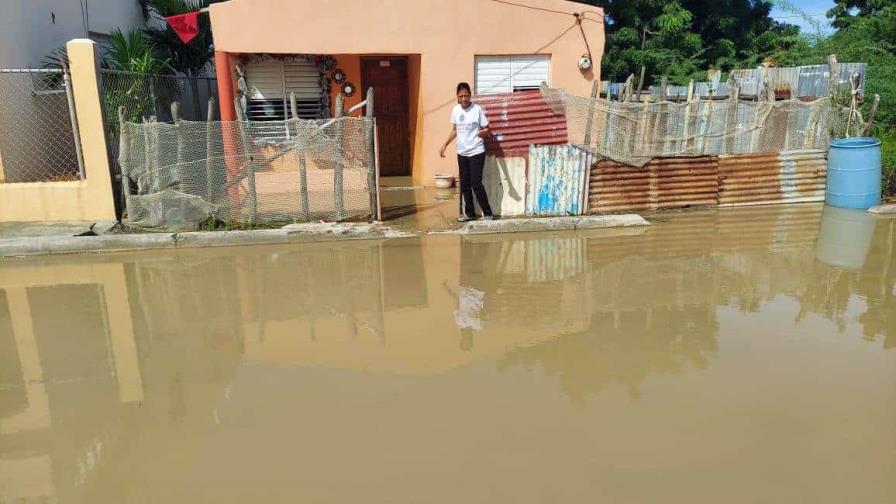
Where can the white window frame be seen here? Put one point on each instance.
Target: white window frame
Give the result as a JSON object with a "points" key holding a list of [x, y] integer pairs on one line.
{"points": [[275, 97], [515, 65]]}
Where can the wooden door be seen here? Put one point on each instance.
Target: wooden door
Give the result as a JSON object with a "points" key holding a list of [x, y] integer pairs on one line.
{"points": [[388, 76]]}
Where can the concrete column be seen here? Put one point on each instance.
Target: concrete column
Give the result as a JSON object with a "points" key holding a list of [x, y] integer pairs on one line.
{"points": [[224, 73], [84, 65]]}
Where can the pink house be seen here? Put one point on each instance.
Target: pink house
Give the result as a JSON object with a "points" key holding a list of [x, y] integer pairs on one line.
{"points": [[412, 52]]}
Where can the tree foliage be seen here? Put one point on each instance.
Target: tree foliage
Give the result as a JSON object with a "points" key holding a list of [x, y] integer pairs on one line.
{"points": [[683, 38], [191, 58], [845, 12]]}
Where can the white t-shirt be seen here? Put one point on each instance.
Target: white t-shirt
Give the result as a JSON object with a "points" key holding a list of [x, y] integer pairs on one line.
{"points": [[468, 123]]}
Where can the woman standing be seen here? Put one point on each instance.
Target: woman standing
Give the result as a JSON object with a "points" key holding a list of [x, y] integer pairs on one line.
{"points": [[470, 129]]}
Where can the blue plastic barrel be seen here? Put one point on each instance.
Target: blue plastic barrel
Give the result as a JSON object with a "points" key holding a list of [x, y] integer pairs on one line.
{"points": [[854, 173]]}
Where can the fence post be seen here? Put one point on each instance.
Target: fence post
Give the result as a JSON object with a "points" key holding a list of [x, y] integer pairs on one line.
{"points": [[371, 168], [124, 150], [250, 165], [340, 161], [303, 169], [595, 88], [73, 117], [178, 134], [687, 118], [730, 138], [194, 88], [209, 167]]}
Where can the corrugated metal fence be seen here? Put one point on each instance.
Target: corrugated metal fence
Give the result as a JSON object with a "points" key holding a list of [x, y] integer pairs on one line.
{"points": [[727, 180], [557, 179]]}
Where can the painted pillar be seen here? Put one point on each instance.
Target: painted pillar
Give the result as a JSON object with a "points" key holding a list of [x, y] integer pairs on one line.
{"points": [[229, 131], [224, 73], [84, 65]]}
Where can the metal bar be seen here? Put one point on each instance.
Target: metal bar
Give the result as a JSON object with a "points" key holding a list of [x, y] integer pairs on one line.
{"points": [[303, 169], [250, 167], [340, 162], [376, 156], [371, 168], [31, 70], [209, 176], [73, 117]]}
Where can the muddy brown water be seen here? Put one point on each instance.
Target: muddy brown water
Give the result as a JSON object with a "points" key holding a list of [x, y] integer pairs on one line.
{"points": [[734, 356]]}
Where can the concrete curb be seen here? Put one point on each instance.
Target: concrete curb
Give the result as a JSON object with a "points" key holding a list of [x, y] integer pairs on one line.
{"points": [[549, 224], [293, 233]]}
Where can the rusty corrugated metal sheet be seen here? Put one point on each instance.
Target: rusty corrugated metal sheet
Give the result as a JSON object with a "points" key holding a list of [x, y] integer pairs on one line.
{"points": [[670, 182], [772, 177], [519, 120]]}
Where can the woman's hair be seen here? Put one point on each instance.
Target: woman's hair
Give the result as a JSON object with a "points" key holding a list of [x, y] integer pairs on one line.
{"points": [[463, 86]]}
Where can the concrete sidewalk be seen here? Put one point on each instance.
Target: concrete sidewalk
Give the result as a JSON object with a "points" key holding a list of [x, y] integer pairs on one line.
{"points": [[408, 211], [294, 233]]}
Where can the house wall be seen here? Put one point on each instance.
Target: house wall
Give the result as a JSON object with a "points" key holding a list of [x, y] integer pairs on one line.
{"points": [[446, 36], [30, 29]]}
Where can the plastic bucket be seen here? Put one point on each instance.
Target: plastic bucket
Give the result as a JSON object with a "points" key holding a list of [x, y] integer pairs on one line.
{"points": [[854, 173]]}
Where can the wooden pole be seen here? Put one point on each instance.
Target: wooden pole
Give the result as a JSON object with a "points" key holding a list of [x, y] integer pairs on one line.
{"points": [[340, 160], [175, 118], [305, 210], [124, 150], [628, 87], [833, 75], [642, 127], [371, 163], [595, 90], [687, 118], [250, 163], [209, 166], [641, 81], [730, 139], [706, 119], [871, 113]]}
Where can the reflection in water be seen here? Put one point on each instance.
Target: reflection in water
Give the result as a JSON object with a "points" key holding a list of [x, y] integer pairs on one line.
{"points": [[141, 377]]}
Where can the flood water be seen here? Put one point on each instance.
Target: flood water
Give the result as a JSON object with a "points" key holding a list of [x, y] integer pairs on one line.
{"points": [[736, 356]]}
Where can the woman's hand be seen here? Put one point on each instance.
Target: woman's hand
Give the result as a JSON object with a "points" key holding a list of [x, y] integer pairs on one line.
{"points": [[442, 151], [484, 132]]}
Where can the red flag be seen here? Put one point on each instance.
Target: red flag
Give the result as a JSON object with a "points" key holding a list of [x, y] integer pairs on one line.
{"points": [[185, 25]]}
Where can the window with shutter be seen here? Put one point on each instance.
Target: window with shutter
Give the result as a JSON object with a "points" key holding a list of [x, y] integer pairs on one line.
{"points": [[506, 74], [270, 82]]}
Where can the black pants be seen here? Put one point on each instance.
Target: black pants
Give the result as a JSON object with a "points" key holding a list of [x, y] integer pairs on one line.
{"points": [[471, 182]]}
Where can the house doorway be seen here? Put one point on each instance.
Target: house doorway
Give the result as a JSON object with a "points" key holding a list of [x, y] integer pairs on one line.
{"points": [[388, 76]]}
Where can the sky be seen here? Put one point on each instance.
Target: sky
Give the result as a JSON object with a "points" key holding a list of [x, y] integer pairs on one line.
{"points": [[815, 8]]}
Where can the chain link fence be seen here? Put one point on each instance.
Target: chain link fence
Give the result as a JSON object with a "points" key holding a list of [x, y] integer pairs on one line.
{"points": [[148, 96], [244, 173], [38, 127]]}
